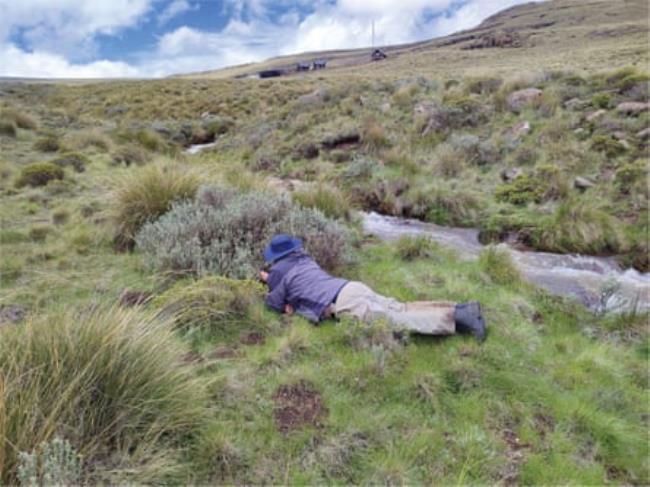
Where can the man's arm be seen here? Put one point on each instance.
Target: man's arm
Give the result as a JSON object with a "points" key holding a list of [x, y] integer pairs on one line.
{"points": [[276, 298]]}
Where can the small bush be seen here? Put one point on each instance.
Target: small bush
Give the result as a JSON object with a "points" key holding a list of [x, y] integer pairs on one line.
{"points": [[498, 264], [8, 128], [523, 190], [608, 144], [219, 125], [601, 100], [147, 195], [54, 462], [410, 248], [72, 159], [39, 174], [49, 143], [211, 303], [39, 233], [18, 118], [331, 201], [131, 154], [443, 206], [228, 239], [109, 377]]}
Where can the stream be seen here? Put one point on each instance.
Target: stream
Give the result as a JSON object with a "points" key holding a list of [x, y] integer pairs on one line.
{"points": [[196, 148], [583, 277]]}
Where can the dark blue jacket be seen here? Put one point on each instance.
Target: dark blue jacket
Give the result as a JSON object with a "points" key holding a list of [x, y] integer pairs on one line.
{"points": [[299, 281]]}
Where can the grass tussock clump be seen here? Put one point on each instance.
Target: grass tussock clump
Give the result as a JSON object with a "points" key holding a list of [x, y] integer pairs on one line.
{"points": [[89, 138], [109, 381], [146, 195], [212, 302], [331, 201], [39, 174], [48, 143], [8, 129], [498, 264], [20, 119], [416, 247], [223, 232]]}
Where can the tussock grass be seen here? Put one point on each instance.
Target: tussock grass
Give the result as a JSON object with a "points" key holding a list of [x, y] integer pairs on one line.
{"points": [[331, 201], [108, 380], [498, 264], [147, 194]]}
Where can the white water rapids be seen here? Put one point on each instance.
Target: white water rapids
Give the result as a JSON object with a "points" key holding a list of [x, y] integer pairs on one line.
{"points": [[583, 277]]}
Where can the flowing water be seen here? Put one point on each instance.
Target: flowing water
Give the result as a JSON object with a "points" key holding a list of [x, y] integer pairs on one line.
{"points": [[196, 148], [598, 282]]}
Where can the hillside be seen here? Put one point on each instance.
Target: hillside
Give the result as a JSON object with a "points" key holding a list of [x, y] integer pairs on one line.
{"points": [[135, 346], [532, 36]]}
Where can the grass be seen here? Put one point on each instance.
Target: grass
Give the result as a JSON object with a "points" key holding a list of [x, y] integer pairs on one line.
{"points": [[182, 388]]}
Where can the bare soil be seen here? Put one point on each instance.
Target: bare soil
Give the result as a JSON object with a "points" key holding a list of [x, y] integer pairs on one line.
{"points": [[298, 405]]}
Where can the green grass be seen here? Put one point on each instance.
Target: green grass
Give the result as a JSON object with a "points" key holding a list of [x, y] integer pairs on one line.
{"points": [[197, 403]]}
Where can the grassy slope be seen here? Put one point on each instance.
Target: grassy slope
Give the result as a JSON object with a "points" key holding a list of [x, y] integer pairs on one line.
{"points": [[570, 386]]}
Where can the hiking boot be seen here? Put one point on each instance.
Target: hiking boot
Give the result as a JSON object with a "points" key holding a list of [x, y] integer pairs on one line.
{"points": [[469, 319]]}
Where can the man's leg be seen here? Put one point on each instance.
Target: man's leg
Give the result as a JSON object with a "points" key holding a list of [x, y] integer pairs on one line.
{"points": [[426, 317]]}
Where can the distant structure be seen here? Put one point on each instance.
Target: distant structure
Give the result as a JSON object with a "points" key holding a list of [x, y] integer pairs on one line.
{"points": [[378, 55], [302, 66], [270, 73], [320, 64]]}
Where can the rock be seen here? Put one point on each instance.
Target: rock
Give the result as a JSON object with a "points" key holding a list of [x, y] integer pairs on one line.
{"points": [[517, 131], [575, 104], [521, 98], [618, 135], [632, 107], [625, 144], [511, 173], [644, 134], [583, 183], [11, 313], [593, 116], [385, 107]]}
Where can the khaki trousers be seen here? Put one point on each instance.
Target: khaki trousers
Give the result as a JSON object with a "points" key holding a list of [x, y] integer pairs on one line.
{"points": [[426, 317]]}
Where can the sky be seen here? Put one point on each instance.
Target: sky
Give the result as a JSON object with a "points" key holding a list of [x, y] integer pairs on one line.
{"points": [[155, 38]]}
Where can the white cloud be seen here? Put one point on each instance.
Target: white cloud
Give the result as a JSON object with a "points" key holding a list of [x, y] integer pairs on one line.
{"points": [[175, 8], [18, 63]]}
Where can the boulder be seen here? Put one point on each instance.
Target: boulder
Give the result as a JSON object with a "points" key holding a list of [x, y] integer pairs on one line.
{"points": [[593, 116], [618, 135], [511, 173], [519, 99], [11, 313], [518, 130], [575, 104], [583, 183], [632, 107], [644, 134]]}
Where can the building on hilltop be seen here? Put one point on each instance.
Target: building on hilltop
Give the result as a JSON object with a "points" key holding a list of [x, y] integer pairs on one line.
{"points": [[378, 55], [320, 64]]}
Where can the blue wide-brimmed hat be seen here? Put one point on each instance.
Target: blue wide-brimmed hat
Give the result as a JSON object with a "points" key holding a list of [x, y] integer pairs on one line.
{"points": [[280, 246]]}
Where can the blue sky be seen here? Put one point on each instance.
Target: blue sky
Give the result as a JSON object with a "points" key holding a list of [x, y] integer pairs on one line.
{"points": [[153, 38]]}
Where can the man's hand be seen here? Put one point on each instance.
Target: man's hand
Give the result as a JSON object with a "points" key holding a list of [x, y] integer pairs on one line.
{"points": [[264, 276], [288, 309]]}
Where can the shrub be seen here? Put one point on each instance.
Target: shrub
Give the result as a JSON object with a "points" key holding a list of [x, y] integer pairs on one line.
{"points": [[131, 154], [608, 144], [39, 174], [7, 128], [109, 378], [54, 462], [18, 118], [373, 135], [212, 303], [601, 100], [498, 264], [331, 201], [145, 196], [523, 190], [228, 239], [579, 226], [90, 138], [418, 247], [72, 159], [48, 143]]}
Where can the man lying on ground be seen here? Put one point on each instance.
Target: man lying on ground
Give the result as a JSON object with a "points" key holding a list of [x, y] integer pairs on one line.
{"points": [[298, 284]]}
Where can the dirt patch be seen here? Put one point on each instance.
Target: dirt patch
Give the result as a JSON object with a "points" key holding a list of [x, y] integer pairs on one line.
{"points": [[133, 298], [515, 454], [254, 338], [297, 405], [11, 313], [192, 358]]}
